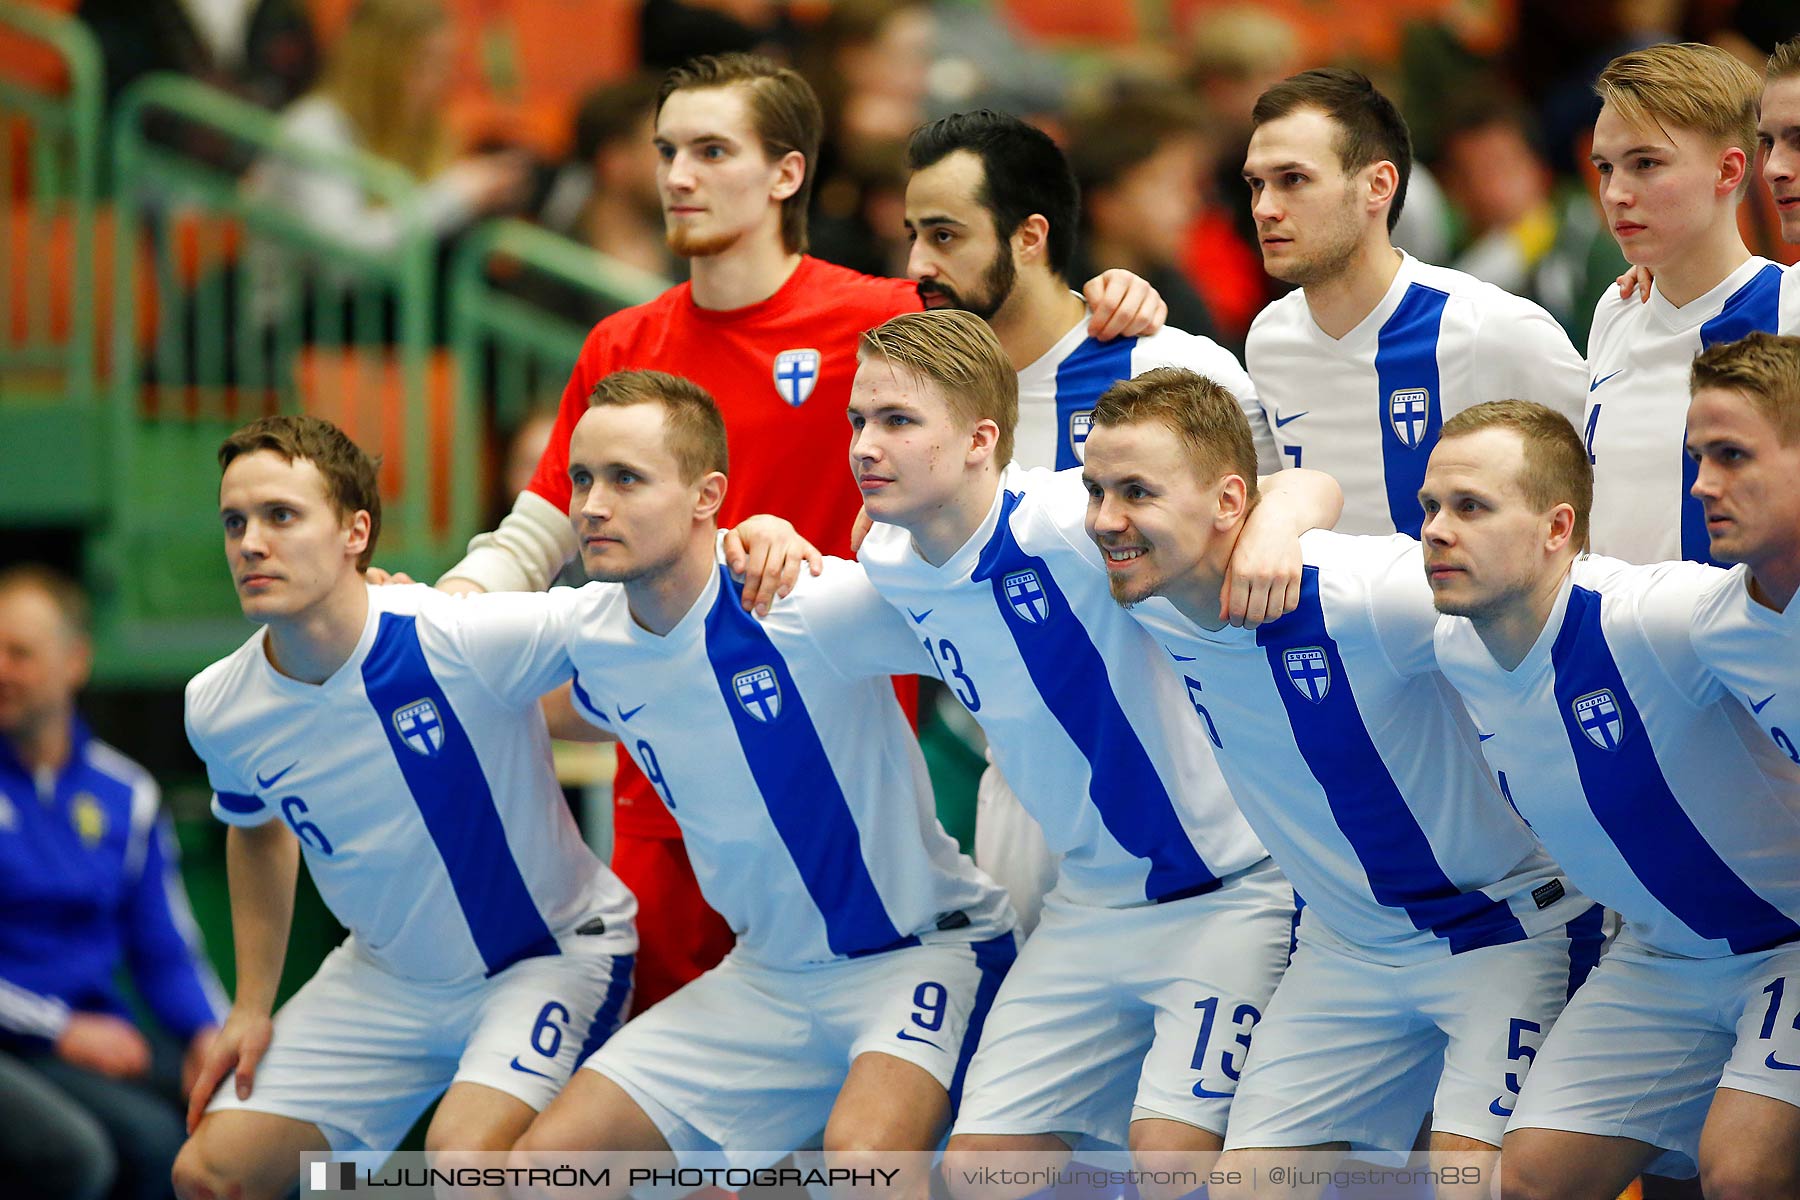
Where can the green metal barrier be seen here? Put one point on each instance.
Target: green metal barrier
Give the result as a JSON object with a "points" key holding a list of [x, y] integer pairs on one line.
{"points": [[522, 302], [236, 306], [50, 128]]}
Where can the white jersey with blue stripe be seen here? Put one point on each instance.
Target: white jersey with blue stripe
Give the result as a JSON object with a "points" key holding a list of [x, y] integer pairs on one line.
{"points": [[782, 753], [1057, 392], [1355, 763], [1754, 652], [418, 780], [1652, 788], [1367, 407], [1639, 357], [1098, 742]]}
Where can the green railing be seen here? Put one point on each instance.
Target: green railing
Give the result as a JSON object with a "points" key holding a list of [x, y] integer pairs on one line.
{"points": [[49, 128]]}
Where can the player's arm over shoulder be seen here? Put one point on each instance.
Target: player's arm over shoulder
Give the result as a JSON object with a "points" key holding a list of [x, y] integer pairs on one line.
{"points": [[516, 643], [856, 631], [1522, 353]]}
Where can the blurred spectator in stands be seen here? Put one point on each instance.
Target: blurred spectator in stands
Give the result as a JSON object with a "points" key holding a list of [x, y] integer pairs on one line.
{"points": [[1234, 53], [606, 196], [870, 62], [382, 91], [1140, 161], [88, 884], [261, 50], [672, 31]]}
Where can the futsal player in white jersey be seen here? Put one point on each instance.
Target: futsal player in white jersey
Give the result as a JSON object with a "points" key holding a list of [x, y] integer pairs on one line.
{"points": [[1743, 431], [1673, 146], [1661, 799], [1358, 368], [391, 735], [1438, 940], [993, 209], [1778, 135], [868, 947], [1167, 921]]}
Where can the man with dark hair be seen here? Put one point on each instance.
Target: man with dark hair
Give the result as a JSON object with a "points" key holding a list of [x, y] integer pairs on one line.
{"points": [[1358, 368], [993, 211], [89, 883], [771, 332]]}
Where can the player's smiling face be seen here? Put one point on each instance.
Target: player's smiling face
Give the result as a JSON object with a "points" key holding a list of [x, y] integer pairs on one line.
{"points": [[1659, 189], [287, 547], [958, 258], [1778, 134], [718, 186], [1149, 511], [1309, 221], [1484, 540], [1745, 482], [632, 512], [905, 444]]}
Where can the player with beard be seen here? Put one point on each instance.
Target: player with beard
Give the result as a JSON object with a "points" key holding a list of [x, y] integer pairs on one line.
{"points": [[770, 332], [992, 208], [1359, 367]]}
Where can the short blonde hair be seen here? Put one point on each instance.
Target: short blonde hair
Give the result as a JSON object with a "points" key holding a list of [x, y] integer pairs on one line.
{"points": [[1197, 410], [693, 429], [1556, 463], [957, 351], [1687, 85], [1766, 369]]}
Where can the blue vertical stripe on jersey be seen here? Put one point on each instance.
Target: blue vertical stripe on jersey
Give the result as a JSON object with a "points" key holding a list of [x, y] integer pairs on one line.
{"points": [[1090, 369], [1405, 359], [1587, 936], [1070, 676], [612, 1006], [995, 958], [452, 794], [805, 802], [1753, 308], [1634, 804], [1366, 803]]}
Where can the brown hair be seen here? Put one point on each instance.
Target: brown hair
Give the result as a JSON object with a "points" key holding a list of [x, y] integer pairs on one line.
{"points": [[784, 112], [1785, 61], [1687, 85], [1370, 127], [70, 602], [1556, 463], [957, 351], [694, 430], [367, 65], [1197, 410], [1766, 369], [349, 473]]}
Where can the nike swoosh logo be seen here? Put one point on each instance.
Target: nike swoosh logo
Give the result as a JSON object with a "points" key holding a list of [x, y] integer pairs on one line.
{"points": [[1179, 657], [1756, 708], [1497, 1110], [913, 1037], [519, 1066], [274, 779], [625, 714], [1202, 1092], [919, 618], [1484, 736], [1775, 1064], [1602, 380], [1282, 421]]}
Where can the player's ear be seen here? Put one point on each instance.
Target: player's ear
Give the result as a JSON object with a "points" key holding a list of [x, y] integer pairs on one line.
{"points": [[1733, 164], [1233, 503], [357, 531], [1382, 180], [984, 441], [790, 173], [1562, 528], [709, 495], [1031, 240]]}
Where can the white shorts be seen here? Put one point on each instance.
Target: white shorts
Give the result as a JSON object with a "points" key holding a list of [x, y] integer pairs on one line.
{"points": [[1010, 847], [360, 1052], [747, 1060], [1117, 1013], [1650, 1038], [1357, 1050]]}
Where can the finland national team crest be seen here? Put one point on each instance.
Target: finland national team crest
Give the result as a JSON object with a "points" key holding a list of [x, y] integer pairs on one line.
{"points": [[1080, 424], [759, 692], [1409, 411], [796, 374], [1026, 595], [1598, 715], [420, 727], [1309, 671]]}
